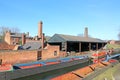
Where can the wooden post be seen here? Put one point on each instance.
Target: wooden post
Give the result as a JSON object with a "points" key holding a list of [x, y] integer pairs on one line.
{"points": [[66, 46], [96, 46], [89, 46], [102, 44], [79, 46]]}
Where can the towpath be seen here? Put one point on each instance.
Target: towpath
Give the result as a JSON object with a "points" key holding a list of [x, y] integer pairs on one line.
{"points": [[117, 74]]}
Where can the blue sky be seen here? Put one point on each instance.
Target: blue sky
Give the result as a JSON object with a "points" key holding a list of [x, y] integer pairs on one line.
{"points": [[102, 17]]}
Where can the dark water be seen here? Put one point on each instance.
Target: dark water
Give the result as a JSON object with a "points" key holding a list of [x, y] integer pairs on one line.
{"points": [[50, 74]]}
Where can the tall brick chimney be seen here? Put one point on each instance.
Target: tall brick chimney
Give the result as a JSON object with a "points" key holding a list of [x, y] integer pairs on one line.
{"points": [[40, 29], [43, 36], [23, 38], [86, 32]]}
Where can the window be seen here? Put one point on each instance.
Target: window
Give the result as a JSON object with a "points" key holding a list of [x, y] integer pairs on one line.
{"points": [[55, 53]]}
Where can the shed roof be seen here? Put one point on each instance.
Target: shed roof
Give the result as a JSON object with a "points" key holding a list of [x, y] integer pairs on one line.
{"points": [[32, 46], [64, 38]]}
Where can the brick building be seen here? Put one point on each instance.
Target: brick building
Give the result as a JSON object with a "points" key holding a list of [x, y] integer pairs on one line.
{"points": [[16, 38], [5, 46], [70, 43], [32, 48], [114, 42]]}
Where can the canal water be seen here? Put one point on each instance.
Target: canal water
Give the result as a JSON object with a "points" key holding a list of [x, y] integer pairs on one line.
{"points": [[50, 74]]}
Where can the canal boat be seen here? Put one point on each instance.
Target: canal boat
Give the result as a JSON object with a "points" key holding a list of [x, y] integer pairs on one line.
{"points": [[28, 70], [6, 67], [47, 62], [81, 73]]}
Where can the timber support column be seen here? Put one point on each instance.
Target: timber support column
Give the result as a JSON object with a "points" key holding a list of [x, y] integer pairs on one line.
{"points": [[96, 46], [89, 46], [79, 46], [102, 44], [66, 46]]}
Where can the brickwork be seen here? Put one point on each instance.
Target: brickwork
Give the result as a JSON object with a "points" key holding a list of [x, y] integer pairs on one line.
{"points": [[40, 29], [30, 55], [7, 37], [62, 54], [50, 52], [5, 46], [18, 56], [11, 40]]}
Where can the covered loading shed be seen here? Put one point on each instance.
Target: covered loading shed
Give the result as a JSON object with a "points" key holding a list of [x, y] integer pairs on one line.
{"points": [[70, 43]]}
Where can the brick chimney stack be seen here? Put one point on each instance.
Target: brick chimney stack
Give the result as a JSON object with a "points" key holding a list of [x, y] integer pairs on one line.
{"points": [[43, 36], [23, 38], [86, 32], [40, 29]]}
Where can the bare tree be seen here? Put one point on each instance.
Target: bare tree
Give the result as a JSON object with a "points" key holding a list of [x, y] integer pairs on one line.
{"points": [[3, 29], [15, 30], [2, 32]]}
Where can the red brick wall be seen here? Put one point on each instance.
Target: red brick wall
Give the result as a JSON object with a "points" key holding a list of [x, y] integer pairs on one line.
{"points": [[49, 52], [62, 54], [15, 40], [11, 40], [7, 37], [18, 56], [5, 46]]}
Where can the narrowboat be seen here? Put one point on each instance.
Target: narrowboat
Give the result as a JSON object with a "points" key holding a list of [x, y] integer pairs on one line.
{"points": [[6, 67], [47, 62]]}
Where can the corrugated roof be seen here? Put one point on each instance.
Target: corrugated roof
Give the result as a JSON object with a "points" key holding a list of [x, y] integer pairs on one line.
{"points": [[62, 38], [32, 46]]}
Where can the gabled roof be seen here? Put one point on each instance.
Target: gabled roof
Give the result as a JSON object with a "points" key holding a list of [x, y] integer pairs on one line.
{"points": [[64, 38], [32, 46]]}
